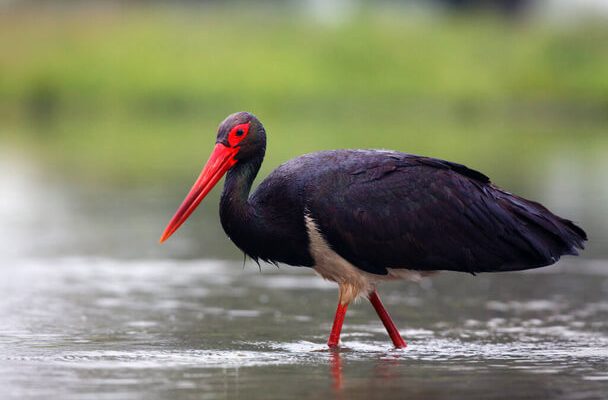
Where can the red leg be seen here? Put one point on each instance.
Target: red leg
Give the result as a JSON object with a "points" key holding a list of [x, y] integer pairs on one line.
{"points": [[334, 336], [386, 320]]}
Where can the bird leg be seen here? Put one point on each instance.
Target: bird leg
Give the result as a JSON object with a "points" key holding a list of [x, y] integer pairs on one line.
{"points": [[386, 320], [334, 336]]}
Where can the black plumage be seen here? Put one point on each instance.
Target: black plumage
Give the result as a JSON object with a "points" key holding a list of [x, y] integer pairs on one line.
{"points": [[385, 209]]}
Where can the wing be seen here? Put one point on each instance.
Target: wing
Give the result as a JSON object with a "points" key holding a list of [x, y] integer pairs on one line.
{"points": [[396, 210]]}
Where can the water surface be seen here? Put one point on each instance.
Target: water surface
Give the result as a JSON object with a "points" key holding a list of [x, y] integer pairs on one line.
{"points": [[96, 328]]}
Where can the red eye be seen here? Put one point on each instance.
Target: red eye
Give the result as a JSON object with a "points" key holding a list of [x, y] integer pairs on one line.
{"points": [[237, 134]]}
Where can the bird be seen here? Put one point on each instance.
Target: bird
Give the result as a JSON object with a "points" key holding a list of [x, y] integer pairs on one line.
{"points": [[362, 217]]}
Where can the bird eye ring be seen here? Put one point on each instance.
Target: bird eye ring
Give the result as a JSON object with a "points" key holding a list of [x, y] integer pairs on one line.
{"points": [[238, 133]]}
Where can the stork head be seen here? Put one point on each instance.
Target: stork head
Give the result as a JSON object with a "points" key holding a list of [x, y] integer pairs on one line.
{"points": [[240, 137]]}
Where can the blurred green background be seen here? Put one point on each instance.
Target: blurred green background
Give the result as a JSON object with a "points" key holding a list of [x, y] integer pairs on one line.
{"points": [[114, 105]]}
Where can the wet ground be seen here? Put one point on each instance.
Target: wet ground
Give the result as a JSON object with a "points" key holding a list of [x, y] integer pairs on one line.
{"points": [[93, 308]]}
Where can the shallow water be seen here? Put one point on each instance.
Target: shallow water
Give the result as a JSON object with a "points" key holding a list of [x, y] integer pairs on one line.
{"points": [[97, 328]]}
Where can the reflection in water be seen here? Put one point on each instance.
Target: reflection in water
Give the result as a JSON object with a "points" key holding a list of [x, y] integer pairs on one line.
{"points": [[385, 369], [335, 363]]}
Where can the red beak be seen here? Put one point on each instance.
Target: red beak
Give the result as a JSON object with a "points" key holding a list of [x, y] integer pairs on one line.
{"points": [[220, 161]]}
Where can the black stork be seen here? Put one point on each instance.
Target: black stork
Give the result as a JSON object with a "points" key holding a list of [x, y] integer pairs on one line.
{"points": [[360, 217]]}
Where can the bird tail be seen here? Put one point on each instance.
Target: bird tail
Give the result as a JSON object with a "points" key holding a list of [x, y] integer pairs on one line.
{"points": [[546, 236]]}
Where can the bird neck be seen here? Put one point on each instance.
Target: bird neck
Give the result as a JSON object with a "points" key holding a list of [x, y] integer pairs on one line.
{"points": [[235, 209]]}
